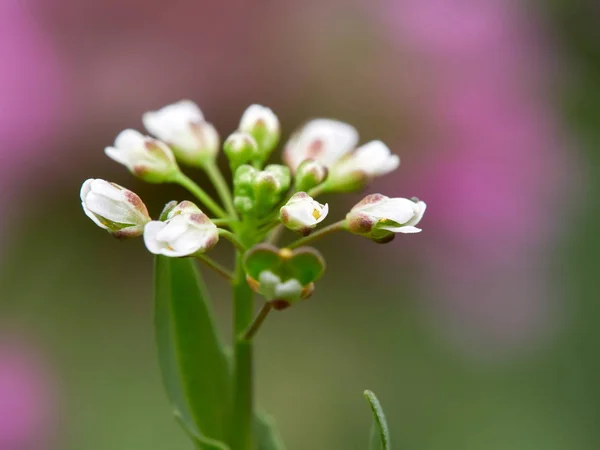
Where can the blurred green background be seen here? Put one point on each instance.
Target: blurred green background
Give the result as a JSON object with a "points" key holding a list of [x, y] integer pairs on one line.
{"points": [[479, 333]]}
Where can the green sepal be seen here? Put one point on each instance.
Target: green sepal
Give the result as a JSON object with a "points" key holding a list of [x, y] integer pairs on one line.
{"points": [[380, 435], [193, 363]]}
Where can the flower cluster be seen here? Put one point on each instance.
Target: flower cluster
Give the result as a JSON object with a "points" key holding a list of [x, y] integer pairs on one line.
{"points": [[323, 156]]}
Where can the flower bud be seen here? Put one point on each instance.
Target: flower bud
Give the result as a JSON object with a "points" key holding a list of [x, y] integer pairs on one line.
{"points": [[187, 231], [302, 214], [356, 169], [240, 148], [262, 123], [378, 217], [147, 158], [114, 208], [181, 125], [310, 173], [256, 192], [323, 140]]}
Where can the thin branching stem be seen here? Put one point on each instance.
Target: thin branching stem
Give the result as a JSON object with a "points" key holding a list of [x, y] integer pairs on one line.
{"points": [[186, 182], [217, 267], [337, 226]]}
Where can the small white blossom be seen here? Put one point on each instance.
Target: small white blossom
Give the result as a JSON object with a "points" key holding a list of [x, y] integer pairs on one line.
{"points": [[378, 217], [273, 288], [112, 207], [262, 123], [324, 140], [186, 231], [301, 213], [147, 158], [366, 162], [182, 126]]}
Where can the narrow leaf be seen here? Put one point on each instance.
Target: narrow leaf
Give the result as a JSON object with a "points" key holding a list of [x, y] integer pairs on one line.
{"points": [[192, 360], [266, 434], [380, 436]]}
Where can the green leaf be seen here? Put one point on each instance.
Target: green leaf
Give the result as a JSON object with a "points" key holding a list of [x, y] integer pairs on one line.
{"points": [[265, 433], [380, 436], [193, 362]]}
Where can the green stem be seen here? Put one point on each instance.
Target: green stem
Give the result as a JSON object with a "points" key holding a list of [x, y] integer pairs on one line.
{"points": [[318, 190], [220, 269], [275, 234], [190, 185], [257, 322], [337, 226], [233, 239], [241, 420], [215, 175]]}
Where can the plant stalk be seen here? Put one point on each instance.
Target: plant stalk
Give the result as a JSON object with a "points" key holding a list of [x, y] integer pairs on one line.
{"points": [[189, 184], [216, 177], [242, 413], [337, 226]]}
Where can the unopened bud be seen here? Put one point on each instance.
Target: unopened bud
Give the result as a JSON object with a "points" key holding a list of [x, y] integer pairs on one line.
{"points": [[112, 207], [256, 192], [262, 123], [240, 148], [310, 173], [187, 231], [181, 125], [379, 217], [147, 158], [356, 169], [302, 214]]}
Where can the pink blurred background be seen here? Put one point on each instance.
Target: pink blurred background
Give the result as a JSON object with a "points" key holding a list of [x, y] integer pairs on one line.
{"points": [[467, 92]]}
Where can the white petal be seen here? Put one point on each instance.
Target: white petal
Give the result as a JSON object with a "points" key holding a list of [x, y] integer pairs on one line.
{"points": [[420, 208], [151, 231], [324, 212], [290, 290], [92, 216], [173, 229], [119, 212], [405, 229], [324, 140], [108, 190], [129, 139], [255, 113], [85, 188], [117, 155]]}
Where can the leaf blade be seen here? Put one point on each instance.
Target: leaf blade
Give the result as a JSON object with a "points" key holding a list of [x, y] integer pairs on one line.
{"points": [[380, 435], [193, 362]]}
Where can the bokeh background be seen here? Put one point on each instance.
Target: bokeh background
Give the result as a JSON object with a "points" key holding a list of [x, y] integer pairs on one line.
{"points": [[479, 333]]}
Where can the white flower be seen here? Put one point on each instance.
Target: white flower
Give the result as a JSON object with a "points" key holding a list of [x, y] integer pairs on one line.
{"points": [[301, 213], [112, 207], [379, 217], [368, 161], [273, 288], [147, 158], [182, 126], [262, 123], [186, 231], [324, 140]]}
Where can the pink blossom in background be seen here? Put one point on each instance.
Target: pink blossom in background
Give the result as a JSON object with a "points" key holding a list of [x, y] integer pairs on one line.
{"points": [[32, 93], [26, 397], [495, 170]]}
